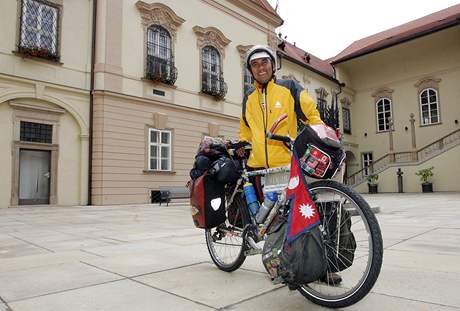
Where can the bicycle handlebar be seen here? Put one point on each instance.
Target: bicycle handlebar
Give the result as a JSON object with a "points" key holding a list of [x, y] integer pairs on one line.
{"points": [[284, 139]]}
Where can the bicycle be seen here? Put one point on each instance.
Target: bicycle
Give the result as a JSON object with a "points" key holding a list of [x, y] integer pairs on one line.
{"points": [[231, 242]]}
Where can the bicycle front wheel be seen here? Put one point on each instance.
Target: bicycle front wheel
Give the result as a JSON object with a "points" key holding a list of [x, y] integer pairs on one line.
{"points": [[356, 257], [225, 242]]}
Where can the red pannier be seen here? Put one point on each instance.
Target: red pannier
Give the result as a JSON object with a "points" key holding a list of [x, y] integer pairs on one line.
{"points": [[207, 201]]}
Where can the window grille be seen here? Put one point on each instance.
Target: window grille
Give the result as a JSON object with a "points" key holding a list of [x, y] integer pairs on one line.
{"points": [[429, 107], [159, 150], [248, 80], [36, 132], [39, 29], [322, 107], [160, 62], [212, 79], [346, 120], [383, 114]]}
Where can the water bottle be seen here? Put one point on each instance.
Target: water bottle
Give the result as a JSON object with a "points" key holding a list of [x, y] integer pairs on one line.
{"points": [[269, 202], [251, 198]]}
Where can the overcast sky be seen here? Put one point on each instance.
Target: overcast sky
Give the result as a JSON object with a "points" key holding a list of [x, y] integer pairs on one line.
{"points": [[326, 27]]}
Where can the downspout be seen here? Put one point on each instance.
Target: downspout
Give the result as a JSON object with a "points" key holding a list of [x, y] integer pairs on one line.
{"points": [[91, 100]]}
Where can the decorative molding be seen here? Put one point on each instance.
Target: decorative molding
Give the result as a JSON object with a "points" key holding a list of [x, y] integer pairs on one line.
{"points": [[290, 77], [383, 92], [272, 41], [160, 120], [321, 93], [159, 14], [213, 129], [427, 82], [345, 101], [243, 49], [211, 36]]}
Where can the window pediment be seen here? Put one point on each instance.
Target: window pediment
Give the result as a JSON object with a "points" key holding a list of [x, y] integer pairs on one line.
{"points": [[383, 92], [159, 14], [345, 101], [427, 82], [211, 36], [321, 93]]}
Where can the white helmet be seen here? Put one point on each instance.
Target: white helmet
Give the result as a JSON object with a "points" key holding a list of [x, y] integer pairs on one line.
{"points": [[260, 51]]}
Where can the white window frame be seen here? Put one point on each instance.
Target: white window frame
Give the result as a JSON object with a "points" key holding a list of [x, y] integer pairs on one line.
{"points": [[367, 160], [38, 29], [159, 146], [211, 57], [428, 121], [155, 35], [381, 115]]}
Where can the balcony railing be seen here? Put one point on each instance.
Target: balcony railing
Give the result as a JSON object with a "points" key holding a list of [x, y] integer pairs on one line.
{"points": [[214, 86], [161, 70]]}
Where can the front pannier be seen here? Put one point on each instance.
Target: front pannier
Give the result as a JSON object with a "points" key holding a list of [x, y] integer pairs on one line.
{"points": [[320, 152], [207, 200]]}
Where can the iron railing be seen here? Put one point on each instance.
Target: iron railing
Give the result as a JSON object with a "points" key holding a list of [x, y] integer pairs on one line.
{"points": [[214, 85], [161, 70]]}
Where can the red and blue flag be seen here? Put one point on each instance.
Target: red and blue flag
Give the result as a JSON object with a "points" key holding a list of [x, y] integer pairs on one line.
{"points": [[303, 214]]}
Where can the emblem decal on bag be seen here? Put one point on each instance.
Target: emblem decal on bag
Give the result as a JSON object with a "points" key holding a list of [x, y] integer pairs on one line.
{"points": [[215, 203]]}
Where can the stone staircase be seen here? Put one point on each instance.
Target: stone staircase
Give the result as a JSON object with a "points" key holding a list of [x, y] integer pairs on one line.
{"points": [[415, 157]]}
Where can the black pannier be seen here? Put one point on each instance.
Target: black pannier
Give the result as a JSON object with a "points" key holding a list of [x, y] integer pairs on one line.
{"points": [[340, 256], [207, 200], [320, 152]]}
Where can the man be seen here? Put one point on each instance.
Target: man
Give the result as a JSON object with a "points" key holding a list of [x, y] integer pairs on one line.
{"points": [[263, 105]]}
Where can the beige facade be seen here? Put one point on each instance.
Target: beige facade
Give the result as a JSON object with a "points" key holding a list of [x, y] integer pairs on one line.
{"points": [[400, 74], [48, 97], [129, 106]]}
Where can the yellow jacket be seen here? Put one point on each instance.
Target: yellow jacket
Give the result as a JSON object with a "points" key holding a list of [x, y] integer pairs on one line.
{"points": [[279, 97]]}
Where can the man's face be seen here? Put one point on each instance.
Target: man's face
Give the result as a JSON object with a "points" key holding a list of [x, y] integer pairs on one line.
{"points": [[262, 70]]}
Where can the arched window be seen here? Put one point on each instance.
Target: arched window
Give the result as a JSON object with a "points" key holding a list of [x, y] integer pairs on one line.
{"points": [[212, 81], [383, 114], [160, 64], [429, 106]]}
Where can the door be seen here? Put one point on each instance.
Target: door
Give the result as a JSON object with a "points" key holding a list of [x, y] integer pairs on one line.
{"points": [[34, 176]]}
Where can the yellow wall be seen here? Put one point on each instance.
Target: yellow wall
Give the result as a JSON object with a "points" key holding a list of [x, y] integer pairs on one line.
{"points": [[399, 68]]}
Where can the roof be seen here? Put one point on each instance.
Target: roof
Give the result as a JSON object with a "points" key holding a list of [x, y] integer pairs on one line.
{"points": [[265, 5], [305, 59], [414, 29]]}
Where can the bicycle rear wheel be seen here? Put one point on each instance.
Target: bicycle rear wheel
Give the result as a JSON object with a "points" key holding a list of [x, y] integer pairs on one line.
{"points": [[359, 268], [225, 242]]}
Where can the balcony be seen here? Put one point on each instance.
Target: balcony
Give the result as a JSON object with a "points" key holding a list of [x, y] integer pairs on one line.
{"points": [[214, 85], [161, 70]]}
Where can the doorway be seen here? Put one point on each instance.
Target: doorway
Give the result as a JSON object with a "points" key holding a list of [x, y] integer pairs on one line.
{"points": [[34, 176]]}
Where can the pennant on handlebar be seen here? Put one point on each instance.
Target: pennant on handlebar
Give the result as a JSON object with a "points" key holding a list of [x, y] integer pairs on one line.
{"points": [[303, 214]]}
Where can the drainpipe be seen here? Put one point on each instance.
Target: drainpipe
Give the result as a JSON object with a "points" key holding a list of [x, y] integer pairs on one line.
{"points": [[91, 99]]}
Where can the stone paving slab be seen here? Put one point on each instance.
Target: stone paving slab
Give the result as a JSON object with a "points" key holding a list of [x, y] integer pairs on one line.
{"points": [[101, 255], [34, 261], [283, 299], [205, 283], [22, 284], [419, 284], [429, 261], [114, 296], [139, 263]]}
